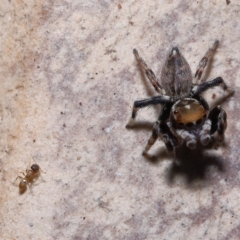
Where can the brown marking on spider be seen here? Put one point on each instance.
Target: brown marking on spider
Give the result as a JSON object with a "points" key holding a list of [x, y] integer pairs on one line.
{"points": [[29, 178], [185, 117]]}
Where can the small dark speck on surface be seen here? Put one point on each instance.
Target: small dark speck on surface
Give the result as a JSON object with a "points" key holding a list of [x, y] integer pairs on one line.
{"points": [[228, 2]]}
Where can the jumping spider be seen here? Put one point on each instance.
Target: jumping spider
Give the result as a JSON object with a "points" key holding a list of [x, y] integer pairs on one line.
{"points": [[185, 117]]}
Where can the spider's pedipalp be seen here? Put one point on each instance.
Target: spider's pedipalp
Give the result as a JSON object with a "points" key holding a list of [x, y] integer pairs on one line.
{"points": [[204, 134], [188, 137]]}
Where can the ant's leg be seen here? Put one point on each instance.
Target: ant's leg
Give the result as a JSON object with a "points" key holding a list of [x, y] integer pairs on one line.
{"points": [[150, 74], [144, 103], [211, 84], [30, 187], [17, 178], [204, 61]]}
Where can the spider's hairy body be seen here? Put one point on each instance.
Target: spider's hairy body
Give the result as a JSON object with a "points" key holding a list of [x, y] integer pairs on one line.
{"points": [[185, 117], [176, 77]]}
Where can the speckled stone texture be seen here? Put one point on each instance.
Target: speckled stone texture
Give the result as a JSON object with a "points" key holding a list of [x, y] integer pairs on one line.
{"points": [[68, 82]]}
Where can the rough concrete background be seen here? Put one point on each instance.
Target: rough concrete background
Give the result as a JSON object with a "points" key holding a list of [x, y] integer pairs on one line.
{"points": [[68, 82]]}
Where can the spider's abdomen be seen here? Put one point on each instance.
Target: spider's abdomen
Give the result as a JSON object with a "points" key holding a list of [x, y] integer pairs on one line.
{"points": [[188, 111], [176, 76]]}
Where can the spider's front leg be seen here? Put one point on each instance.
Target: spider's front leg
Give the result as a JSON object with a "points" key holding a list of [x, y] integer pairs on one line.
{"points": [[162, 129], [215, 124], [144, 103], [170, 140], [153, 138], [219, 124]]}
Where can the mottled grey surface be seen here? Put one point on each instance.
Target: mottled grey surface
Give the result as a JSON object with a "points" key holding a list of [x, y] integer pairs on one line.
{"points": [[68, 81]]}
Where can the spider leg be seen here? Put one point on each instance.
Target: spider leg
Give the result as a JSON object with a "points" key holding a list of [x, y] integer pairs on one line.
{"points": [[210, 84], [204, 61], [215, 124], [144, 103], [161, 128], [219, 124], [150, 74], [204, 133], [170, 140], [153, 138]]}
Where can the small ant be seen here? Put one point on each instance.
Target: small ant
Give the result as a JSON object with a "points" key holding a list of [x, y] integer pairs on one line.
{"points": [[31, 175]]}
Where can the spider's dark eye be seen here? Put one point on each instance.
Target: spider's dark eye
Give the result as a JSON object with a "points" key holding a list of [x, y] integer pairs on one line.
{"points": [[175, 112]]}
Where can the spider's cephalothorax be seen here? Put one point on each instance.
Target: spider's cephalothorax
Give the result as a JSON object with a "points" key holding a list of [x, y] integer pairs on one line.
{"points": [[185, 117]]}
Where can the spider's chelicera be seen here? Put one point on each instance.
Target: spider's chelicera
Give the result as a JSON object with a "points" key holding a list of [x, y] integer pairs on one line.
{"points": [[185, 117]]}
